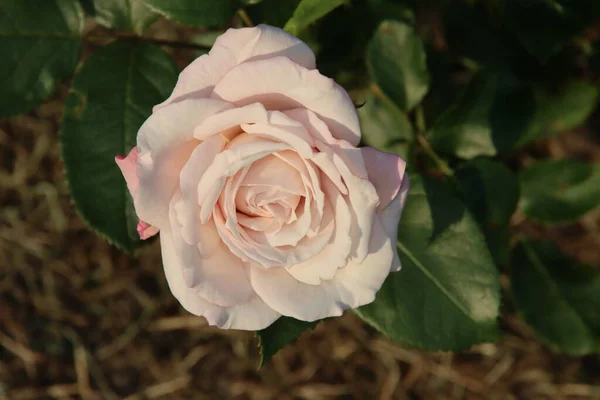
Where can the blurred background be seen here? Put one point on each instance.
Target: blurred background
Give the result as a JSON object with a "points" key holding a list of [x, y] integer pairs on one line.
{"points": [[80, 319]]}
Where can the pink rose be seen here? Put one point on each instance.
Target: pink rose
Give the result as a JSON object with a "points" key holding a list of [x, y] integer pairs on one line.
{"points": [[264, 203]]}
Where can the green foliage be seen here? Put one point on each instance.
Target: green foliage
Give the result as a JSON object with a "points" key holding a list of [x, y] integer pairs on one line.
{"points": [[39, 47], [557, 297], [126, 15], [458, 92], [281, 333], [195, 12], [397, 62], [385, 126], [447, 294], [555, 191], [109, 99], [491, 192], [308, 11]]}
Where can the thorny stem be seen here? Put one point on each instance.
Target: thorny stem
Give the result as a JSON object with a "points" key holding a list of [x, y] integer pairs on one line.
{"points": [[160, 42]]}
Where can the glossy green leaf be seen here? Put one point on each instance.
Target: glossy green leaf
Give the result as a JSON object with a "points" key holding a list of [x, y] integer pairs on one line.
{"points": [[555, 22], [279, 334], [109, 99], [558, 297], [39, 48], [491, 192], [447, 294], [124, 15], [385, 126], [396, 60], [556, 191], [196, 12], [308, 12]]}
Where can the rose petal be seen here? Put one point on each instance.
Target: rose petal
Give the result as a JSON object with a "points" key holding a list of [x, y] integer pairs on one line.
{"points": [[352, 286], [128, 166], [251, 315], [235, 47], [165, 142], [386, 173], [325, 264], [391, 215], [280, 84]]}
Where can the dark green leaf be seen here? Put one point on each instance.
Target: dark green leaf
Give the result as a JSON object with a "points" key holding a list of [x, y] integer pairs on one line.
{"points": [[385, 126], [196, 12], [446, 296], [281, 333], [558, 297], [491, 117], [272, 12], [109, 99], [308, 12], [566, 109], [544, 26], [555, 191], [39, 48], [124, 15], [397, 62], [491, 192]]}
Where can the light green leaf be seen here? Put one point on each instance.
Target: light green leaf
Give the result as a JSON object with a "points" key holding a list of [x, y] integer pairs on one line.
{"points": [[39, 48], [557, 191], [558, 297], [446, 296], [308, 12], [385, 126], [272, 12], [124, 15], [396, 60], [196, 12], [279, 334], [109, 99]]}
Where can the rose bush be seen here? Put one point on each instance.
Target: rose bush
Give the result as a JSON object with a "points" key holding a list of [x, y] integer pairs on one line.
{"points": [[264, 204]]}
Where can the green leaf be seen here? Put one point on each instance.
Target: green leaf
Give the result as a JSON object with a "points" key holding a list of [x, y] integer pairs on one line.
{"points": [[491, 192], [272, 12], [385, 126], [562, 110], [558, 297], [557, 191], [279, 334], [492, 115], [446, 296], [196, 12], [308, 12], [396, 60], [124, 15], [555, 22], [109, 99], [39, 48]]}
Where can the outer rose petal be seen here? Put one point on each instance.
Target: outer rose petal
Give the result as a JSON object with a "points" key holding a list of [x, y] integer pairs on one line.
{"points": [[251, 315], [387, 173], [279, 83], [391, 215], [232, 48], [352, 286], [165, 142], [128, 166]]}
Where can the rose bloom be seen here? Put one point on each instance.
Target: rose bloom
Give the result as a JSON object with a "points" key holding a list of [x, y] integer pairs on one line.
{"points": [[264, 204]]}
